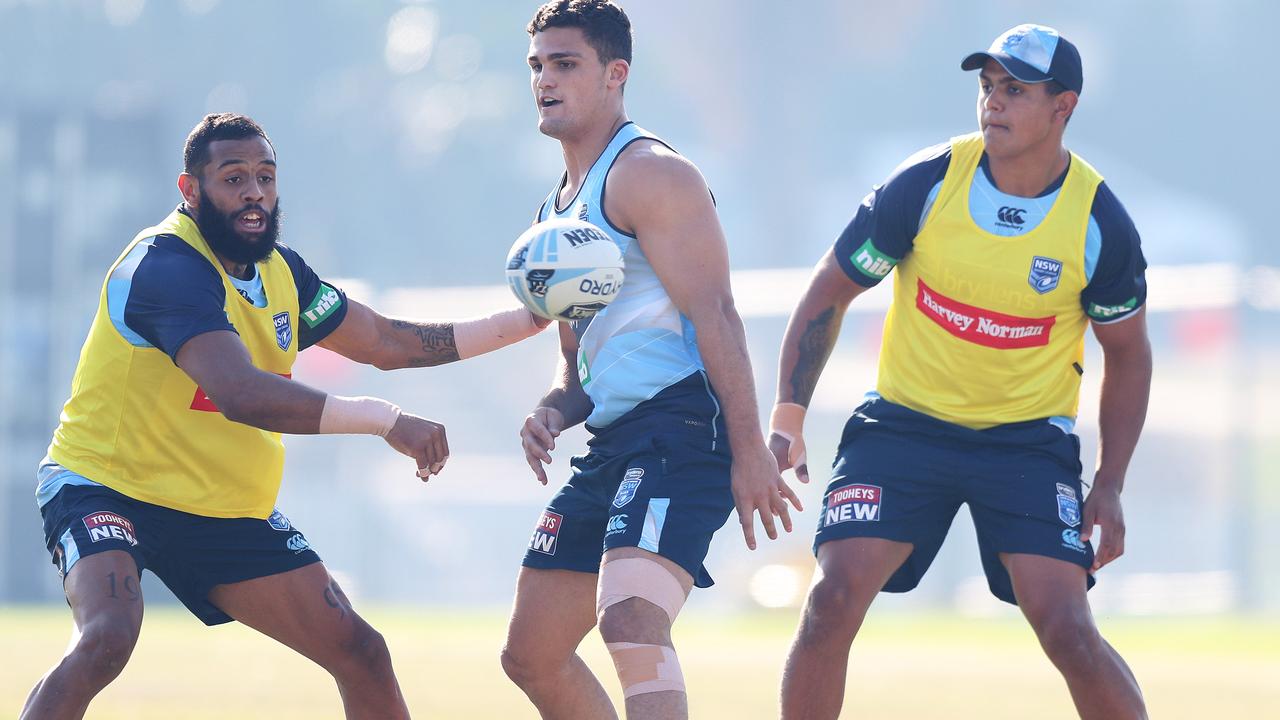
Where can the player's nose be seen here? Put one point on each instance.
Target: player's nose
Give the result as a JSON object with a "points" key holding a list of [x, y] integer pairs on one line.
{"points": [[252, 191]]}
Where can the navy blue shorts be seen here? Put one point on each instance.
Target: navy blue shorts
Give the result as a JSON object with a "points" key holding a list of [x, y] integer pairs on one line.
{"points": [[189, 553], [651, 486], [902, 475]]}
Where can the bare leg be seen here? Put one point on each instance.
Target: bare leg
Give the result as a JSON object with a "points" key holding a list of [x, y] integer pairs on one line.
{"points": [[554, 610], [1052, 596], [307, 611], [106, 606], [850, 574], [639, 621]]}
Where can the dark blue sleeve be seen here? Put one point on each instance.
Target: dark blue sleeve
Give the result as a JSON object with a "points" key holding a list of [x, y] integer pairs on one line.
{"points": [[886, 223], [321, 306], [1119, 283], [174, 295]]}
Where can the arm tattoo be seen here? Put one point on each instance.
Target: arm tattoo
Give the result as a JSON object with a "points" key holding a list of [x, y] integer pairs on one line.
{"points": [[816, 343], [331, 599], [436, 339]]}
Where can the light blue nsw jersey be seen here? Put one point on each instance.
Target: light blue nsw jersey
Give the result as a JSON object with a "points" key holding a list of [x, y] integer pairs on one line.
{"points": [[640, 344]]}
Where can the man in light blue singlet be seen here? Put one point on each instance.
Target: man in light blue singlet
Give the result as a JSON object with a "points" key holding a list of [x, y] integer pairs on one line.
{"points": [[663, 381]]}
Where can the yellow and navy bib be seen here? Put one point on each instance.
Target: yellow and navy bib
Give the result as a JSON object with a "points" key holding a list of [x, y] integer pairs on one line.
{"points": [[986, 329], [136, 422]]}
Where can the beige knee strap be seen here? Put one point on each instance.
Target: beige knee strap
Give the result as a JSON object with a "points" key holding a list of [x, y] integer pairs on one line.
{"points": [[639, 578], [646, 668]]}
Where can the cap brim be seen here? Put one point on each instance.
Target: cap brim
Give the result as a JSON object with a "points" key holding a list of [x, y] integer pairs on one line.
{"points": [[1015, 67]]}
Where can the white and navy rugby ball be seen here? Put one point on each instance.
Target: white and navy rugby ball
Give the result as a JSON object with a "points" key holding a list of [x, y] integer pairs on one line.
{"points": [[565, 269]]}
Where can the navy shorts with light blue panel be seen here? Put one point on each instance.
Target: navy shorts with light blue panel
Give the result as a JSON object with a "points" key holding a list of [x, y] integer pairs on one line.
{"points": [[656, 478], [902, 475], [189, 553]]}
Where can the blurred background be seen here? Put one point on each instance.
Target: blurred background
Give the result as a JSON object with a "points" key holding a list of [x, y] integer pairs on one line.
{"points": [[410, 159]]}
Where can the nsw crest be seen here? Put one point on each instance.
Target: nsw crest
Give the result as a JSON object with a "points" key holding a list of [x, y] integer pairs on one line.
{"points": [[1068, 510], [627, 488], [284, 330], [1045, 273]]}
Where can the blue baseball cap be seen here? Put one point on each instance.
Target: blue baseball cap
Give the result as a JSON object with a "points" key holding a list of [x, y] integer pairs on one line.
{"points": [[1033, 54]]}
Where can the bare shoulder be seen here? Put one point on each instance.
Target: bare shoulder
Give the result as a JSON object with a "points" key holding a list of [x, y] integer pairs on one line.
{"points": [[646, 162], [650, 176]]}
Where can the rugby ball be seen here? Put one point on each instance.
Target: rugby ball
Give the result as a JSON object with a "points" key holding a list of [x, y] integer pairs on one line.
{"points": [[565, 269]]}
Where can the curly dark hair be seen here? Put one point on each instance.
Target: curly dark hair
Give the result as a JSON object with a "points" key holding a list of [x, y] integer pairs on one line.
{"points": [[217, 126], [605, 25]]}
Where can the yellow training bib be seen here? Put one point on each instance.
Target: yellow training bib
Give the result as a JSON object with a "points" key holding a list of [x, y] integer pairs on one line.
{"points": [[138, 424], [985, 329]]}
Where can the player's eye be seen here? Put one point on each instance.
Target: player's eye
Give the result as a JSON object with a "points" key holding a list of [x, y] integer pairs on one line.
{"points": [[1015, 90], [566, 65], [536, 67], [233, 179], [266, 179]]}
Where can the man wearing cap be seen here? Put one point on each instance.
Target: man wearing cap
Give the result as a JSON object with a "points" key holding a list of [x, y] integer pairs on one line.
{"points": [[1006, 247]]}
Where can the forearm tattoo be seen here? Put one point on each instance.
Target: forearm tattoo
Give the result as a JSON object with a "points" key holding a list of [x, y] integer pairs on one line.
{"points": [[436, 340], [816, 343]]}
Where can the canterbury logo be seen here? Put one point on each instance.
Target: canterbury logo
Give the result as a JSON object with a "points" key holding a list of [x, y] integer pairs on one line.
{"points": [[1011, 215]]}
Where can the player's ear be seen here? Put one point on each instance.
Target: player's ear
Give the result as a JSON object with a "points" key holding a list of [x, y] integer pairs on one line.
{"points": [[618, 72], [1064, 104], [189, 186]]}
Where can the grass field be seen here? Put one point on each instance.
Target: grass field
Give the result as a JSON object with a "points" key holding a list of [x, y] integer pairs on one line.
{"points": [[904, 667]]}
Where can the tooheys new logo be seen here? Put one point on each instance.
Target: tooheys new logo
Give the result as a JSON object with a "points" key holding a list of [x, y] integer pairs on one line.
{"points": [[546, 533], [979, 325], [853, 503]]}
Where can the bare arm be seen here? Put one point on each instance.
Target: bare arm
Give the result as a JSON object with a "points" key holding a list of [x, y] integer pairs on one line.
{"points": [[389, 343], [566, 404], [368, 337], [566, 393], [663, 199], [812, 331], [1126, 387], [810, 337], [221, 365]]}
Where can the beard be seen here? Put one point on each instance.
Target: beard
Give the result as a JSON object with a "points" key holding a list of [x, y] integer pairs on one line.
{"points": [[219, 231]]}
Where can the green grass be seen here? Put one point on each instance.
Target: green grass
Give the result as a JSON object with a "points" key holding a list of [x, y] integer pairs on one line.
{"points": [[903, 667]]}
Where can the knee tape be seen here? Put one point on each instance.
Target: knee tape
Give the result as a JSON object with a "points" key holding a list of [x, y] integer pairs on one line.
{"points": [[639, 578], [646, 668]]}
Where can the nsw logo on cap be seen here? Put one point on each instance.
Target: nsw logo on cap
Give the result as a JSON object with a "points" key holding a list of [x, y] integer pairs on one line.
{"points": [[1032, 44]]}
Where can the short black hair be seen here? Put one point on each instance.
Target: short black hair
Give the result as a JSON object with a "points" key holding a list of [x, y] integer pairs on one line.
{"points": [[217, 126], [605, 25]]}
